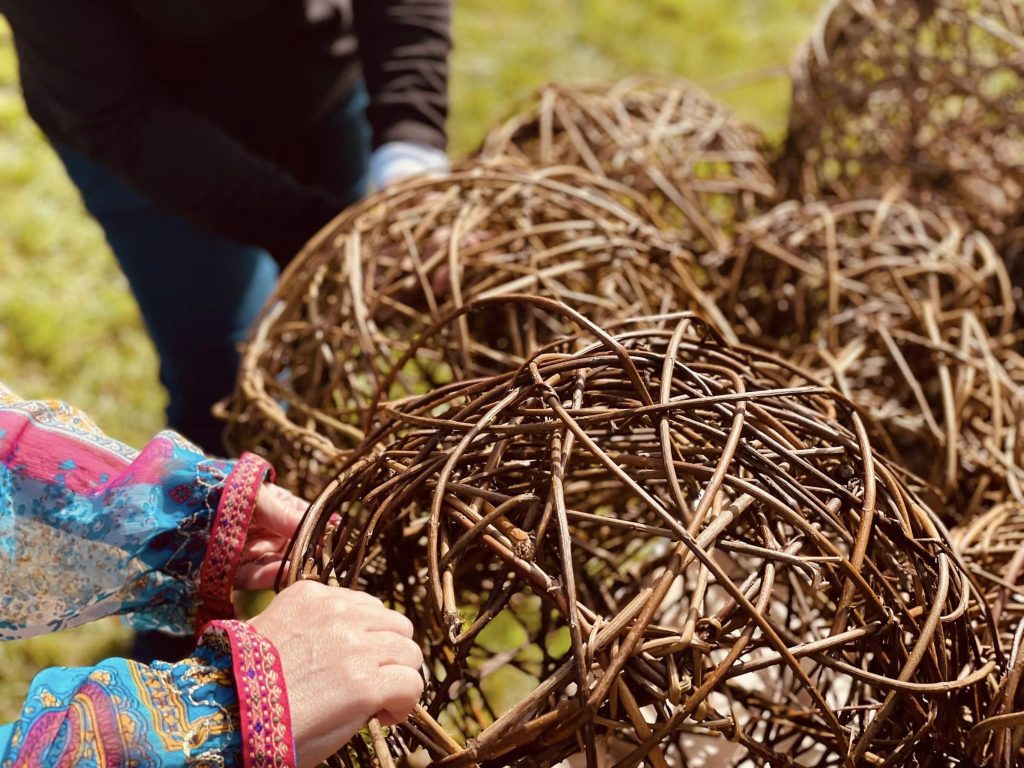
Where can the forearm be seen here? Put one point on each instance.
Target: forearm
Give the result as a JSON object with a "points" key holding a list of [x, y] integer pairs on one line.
{"points": [[121, 712], [90, 527], [404, 46]]}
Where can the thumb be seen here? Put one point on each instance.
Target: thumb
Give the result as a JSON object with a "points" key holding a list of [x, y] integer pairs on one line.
{"points": [[386, 719]]}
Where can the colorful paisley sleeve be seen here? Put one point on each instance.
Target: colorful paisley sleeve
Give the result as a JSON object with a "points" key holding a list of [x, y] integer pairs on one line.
{"points": [[90, 527], [267, 737], [121, 713]]}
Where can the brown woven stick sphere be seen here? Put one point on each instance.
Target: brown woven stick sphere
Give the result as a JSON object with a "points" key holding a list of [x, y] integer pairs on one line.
{"points": [[992, 546], [367, 285], [665, 138], [925, 93], [909, 315], [651, 546]]}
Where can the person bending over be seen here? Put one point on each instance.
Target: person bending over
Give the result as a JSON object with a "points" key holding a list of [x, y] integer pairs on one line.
{"points": [[212, 138]]}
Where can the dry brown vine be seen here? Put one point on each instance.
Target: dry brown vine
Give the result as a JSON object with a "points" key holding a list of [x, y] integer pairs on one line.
{"points": [[992, 545], [928, 94], [665, 138], [661, 539], [357, 296], [907, 313]]}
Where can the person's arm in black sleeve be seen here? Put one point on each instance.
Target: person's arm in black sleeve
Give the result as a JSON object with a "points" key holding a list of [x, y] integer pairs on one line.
{"points": [[404, 47], [89, 61]]}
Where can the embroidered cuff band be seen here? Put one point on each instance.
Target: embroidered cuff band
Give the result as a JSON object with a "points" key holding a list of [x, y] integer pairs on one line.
{"points": [[267, 737], [227, 537]]}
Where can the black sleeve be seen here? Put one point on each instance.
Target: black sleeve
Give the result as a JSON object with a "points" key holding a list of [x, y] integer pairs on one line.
{"points": [[404, 46], [87, 61]]}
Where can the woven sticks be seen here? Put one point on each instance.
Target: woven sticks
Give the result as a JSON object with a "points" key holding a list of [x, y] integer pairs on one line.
{"points": [[992, 544], [910, 316], [928, 94], [628, 535], [640, 539], [322, 357], [666, 139]]}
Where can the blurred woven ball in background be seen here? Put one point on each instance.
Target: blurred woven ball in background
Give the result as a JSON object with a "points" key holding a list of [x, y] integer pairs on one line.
{"points": [[651, 539], [908, 314], [324, 353], [665, 138], [928, 94]]}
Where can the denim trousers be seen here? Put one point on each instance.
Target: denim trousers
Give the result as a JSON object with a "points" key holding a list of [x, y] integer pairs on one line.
{"points": [[200, 294]]}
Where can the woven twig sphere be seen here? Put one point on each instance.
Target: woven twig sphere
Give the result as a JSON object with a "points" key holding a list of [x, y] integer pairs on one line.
{"points": [[992, 546], [926, 93], [667, 139], [650, 539], [909, 315], [379, 275]]}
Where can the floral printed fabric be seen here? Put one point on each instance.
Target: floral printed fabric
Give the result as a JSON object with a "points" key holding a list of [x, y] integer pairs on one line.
{"points": [[91, 528], [122, 713]]}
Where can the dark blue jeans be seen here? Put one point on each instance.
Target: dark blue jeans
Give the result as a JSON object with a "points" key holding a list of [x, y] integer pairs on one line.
{"points": [[200, 294]]}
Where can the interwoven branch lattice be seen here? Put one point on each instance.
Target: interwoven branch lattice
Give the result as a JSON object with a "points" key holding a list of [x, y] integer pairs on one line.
{"points": [[315, 369], [928, 94], [907, 313], [668, 140], [653, 539]]}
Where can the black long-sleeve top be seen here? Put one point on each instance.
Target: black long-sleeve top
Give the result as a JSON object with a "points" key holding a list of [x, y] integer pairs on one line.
{"points": [[200, 104]]}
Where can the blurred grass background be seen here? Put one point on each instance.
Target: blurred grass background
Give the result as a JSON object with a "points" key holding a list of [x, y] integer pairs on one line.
{"points": [[70, 329]]}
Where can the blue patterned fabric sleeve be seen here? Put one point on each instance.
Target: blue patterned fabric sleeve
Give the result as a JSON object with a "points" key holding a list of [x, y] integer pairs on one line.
{"points": [[89, 527], [121, 713]]}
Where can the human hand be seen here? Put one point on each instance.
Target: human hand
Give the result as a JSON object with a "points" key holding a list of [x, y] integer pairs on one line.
{"points": [[277, 515], [396, 160], [346, 658]]}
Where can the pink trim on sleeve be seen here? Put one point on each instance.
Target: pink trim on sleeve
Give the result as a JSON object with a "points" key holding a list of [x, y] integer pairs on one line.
{"points": [[267, 737], [227, 537]]}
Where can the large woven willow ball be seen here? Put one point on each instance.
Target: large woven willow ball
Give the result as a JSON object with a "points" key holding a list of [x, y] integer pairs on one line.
{"points": [[667, 139], [992, 546], [651, 547], [909, 315], [926, 93], [324, 354]]}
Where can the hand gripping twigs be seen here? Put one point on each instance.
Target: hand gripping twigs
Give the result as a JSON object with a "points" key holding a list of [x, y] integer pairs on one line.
{"points": [[910, 316], [924, 93], [700, 166], [643, 545], [352, 302]]}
